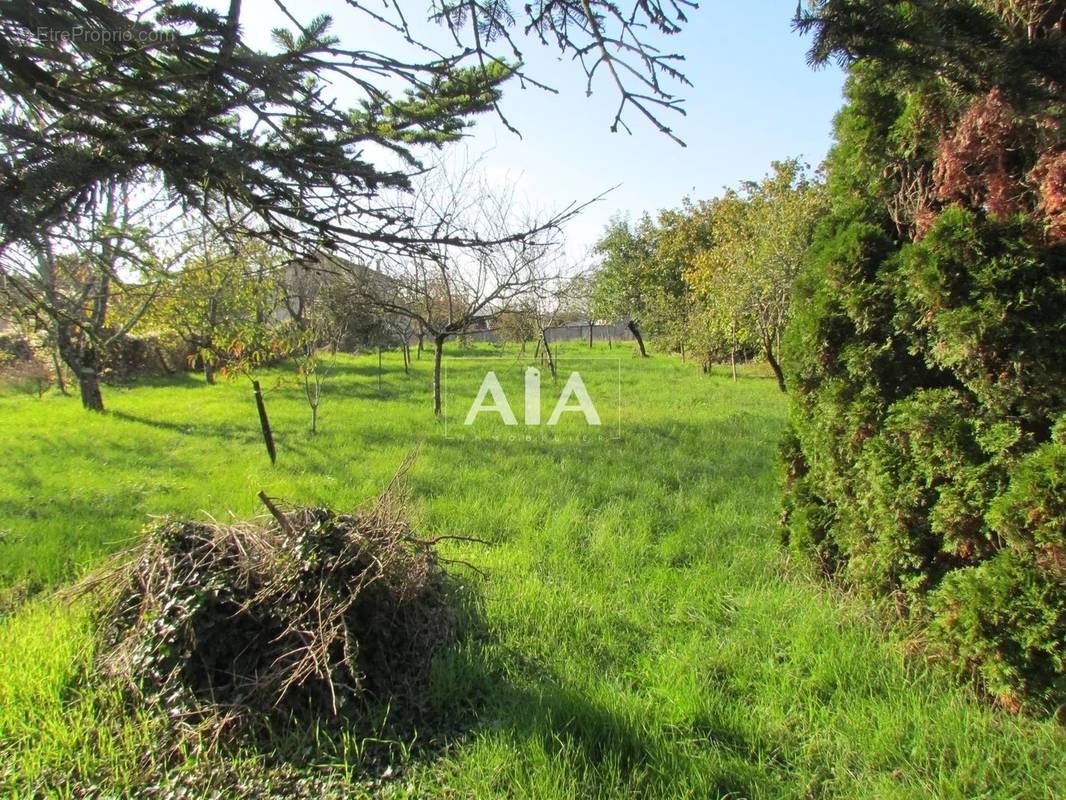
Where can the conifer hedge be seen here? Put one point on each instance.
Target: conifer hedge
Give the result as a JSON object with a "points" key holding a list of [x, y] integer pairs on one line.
{"points": [[926, 360]]}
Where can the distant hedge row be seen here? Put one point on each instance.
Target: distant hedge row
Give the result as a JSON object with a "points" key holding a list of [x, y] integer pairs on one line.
{"points": [[128, 356], [927, 358]]}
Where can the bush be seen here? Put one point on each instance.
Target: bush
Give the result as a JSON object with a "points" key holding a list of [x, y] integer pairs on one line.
{"points": [[1004, 621], [1031, 514], [807, 520], [27, 377], [986, 304], [131, 356], [24, 364], [925, 483]]}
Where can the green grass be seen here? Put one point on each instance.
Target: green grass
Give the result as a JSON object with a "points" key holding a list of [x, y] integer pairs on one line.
{"points": [[639, 632]]}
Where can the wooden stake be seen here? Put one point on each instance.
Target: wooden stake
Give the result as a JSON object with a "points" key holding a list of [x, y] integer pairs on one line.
{"points": [[275, 512], [264, 423]]}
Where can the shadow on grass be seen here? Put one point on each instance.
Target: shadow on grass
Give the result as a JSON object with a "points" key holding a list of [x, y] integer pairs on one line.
{"points": [[247, 434], [598, 743], [478, 688], [183, 427], [184, 379]]}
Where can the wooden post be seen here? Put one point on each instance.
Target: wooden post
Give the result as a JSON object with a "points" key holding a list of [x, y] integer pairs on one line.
{"points": [[264, 423], [275, 512]]}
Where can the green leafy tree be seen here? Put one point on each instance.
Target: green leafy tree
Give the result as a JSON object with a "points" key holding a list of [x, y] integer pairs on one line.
{"points": [[621, 288], [761, 235], [223, 306], [673, 312], [88, 283], [719, 276]]}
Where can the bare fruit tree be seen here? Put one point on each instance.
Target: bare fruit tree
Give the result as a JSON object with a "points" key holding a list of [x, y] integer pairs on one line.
{"points": [[89, 282], [549, 306], [448, 289]]}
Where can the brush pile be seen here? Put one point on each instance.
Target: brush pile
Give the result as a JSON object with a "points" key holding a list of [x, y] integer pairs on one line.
{"points": [[311, 612]]}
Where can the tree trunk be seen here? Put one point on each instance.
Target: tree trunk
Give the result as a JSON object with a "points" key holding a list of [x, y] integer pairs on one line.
{"points": [[81, 359], [733, 351], [682, 352], [421, 338], [438, 353], [548, 352], [209, 373], [58, 367], [312, 389], [636, 335], [775, 367], [89, 384], [592, 328], [89, 379]]}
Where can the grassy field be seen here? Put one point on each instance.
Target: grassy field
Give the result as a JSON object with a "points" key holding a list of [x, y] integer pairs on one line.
{"points": [[638, 631]]}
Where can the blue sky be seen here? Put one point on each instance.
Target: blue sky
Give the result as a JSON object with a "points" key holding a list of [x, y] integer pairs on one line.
{"points": [[754, 99]]}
